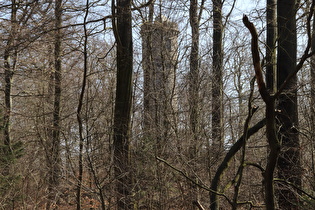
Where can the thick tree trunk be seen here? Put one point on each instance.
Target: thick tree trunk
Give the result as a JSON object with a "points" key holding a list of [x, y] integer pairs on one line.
{"points": [[289, 160], [123, 102], [271, 73]]}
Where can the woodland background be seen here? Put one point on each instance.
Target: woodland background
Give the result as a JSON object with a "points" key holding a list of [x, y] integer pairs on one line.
{"points": [[76, 128]]}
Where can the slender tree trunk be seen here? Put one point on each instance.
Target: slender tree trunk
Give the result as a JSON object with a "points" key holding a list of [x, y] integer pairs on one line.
{"points": [[289, 160], [217, 89], [123, 34], [271, 79], [274, 147], [79, 109], [194, 93], [54, 159], [10, 59], [217, 84], [194, 69]]}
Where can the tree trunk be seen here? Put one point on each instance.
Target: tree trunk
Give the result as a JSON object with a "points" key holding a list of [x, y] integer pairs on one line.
{"points": [[217, 90], [217, 84], [79, 109], [312, 108], [271, 74], [54, 146], [289, 160], [123, 34], [10, 59], [194, 68], [194, 95], [271, 79]]}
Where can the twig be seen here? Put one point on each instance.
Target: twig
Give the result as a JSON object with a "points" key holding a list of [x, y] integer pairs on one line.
{"points": [[239, 174], [230, 154], [197, 203], [294, 186], [192, 180]]}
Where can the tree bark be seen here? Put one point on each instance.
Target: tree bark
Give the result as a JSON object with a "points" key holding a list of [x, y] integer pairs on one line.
{"points": [[271, 73], [271, 82], [54, 146], [79, 109], [10, 59], [123, 34], [194, 68], [194, 94], [217, 90], [289, 160], [312, 108], [217, 84]]}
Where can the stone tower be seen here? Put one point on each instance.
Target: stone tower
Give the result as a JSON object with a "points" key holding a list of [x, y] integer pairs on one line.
{"points": [[159, 61]]}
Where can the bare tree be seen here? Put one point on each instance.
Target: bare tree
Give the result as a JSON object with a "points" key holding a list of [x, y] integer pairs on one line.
{"points": [[286, 91], [79, 109], [54, 160], [194, 86]]}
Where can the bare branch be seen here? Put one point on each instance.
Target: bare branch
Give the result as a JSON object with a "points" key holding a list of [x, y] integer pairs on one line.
{"points": [[192, 180], [197, 203], [294, 186], [142, 5], [256, 59], [233, 150]]}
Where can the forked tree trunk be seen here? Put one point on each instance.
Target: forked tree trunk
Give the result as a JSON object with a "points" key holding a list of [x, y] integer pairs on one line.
{"points": [[274, 145]]}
